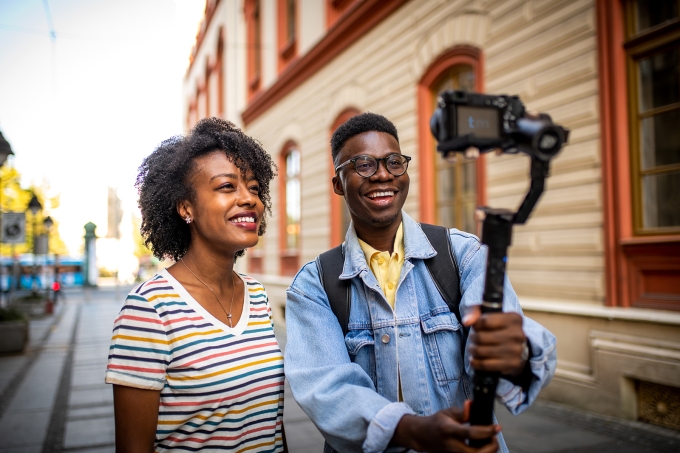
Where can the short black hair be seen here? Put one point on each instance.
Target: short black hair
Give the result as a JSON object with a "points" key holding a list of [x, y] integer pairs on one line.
{"points": [[364, 122], [164, 180]]}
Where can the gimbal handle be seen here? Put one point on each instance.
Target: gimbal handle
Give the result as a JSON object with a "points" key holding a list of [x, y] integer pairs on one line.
{"points": [[497, 236]]}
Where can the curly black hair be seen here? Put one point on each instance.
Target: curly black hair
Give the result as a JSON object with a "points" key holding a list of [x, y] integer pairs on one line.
{"points": [[164, 180], [364, 122]]}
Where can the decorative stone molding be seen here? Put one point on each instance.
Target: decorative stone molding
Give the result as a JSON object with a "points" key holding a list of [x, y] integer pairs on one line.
{"points": [[470, 28], [350, 96]]}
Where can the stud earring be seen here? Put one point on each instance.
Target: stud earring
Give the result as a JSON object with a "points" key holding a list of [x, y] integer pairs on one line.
{"points": [[187, 219]]}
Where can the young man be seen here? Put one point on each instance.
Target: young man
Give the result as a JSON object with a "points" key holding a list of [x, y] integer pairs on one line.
{"points": [[398, 381]]}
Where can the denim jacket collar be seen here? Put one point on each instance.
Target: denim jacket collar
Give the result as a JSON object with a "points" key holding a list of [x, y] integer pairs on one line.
{"points": [[416, 246]]}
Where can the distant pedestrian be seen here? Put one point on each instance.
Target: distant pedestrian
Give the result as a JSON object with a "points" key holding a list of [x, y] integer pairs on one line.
{"points": [[193, 360]]}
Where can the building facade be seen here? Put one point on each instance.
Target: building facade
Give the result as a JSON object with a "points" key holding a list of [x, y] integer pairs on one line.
{"points": [[598, 262]]}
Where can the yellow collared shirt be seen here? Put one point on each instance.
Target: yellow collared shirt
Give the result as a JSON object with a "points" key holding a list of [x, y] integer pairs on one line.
{"points": [[386, 267]]}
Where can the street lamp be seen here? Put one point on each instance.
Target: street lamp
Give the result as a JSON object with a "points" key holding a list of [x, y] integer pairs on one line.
{"points": [[34, 206], [5, 149]]}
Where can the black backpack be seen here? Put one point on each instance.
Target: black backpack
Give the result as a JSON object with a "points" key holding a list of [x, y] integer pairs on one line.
{"points": [[442, 267]]}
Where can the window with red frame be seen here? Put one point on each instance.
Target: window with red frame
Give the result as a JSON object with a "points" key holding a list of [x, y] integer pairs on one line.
{"points": [[639, 67], [208, 88], [287, 32], [450, 192], [290, 210], [253, 45], [653, 48], [340, 218], [220, 76]]}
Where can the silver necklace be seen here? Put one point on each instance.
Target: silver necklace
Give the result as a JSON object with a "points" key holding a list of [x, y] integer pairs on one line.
{"points": [[233, 290]]}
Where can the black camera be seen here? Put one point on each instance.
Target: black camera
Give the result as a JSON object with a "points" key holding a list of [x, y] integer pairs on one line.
{"points": [[463, 120]]}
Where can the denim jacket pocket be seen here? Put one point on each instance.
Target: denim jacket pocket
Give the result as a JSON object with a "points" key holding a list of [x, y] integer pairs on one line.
{"points": [[361, 348], [442, 336]]}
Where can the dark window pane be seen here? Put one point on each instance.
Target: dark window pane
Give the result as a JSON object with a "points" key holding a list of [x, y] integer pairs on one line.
{"points": [[291, 20], [257, 42], [655, 12], [469, 178], [661, 200], [660, 80], [660, 140], [447, 184], [469, 222], [447, 216], [456, 183]]}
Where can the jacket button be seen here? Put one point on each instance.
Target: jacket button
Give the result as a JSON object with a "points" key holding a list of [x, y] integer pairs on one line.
{"points": [[385, 338]]}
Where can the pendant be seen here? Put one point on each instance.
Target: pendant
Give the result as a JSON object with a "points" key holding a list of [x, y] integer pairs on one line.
{"points": [[229, 315]]}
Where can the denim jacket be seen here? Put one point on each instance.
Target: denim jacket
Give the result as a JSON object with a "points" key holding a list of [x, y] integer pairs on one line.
{"points": [[349, 386]]}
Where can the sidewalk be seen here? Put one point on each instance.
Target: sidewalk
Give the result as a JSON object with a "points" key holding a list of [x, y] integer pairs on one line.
{"points": [[53, 398]]}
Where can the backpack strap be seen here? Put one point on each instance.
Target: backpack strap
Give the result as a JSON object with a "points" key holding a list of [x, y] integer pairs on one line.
{"points": [[443, 267], [330, 265]]}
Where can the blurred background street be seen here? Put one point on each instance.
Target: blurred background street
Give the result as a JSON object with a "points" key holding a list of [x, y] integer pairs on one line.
{"points": [[53, 397]]}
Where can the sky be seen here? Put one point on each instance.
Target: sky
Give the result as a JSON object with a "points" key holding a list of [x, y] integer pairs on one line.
{"points": [[82, 110]]}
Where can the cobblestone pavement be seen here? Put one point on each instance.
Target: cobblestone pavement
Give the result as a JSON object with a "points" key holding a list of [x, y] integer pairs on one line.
{"points": [[53, 398]]}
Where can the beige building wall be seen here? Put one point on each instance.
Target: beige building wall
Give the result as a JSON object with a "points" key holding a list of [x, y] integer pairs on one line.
{"points": [[545, 51]]}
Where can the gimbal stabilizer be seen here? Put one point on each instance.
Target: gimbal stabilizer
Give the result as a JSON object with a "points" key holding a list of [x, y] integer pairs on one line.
{"points": [[481, 123]]}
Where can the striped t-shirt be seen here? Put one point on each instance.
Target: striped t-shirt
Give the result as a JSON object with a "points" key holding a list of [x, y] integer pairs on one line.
{"points": [[221, 388]]}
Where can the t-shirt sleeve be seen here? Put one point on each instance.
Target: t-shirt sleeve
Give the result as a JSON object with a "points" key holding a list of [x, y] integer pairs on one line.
{"points": [[139, 353]]}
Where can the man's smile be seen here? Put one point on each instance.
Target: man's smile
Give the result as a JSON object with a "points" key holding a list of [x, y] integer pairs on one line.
{"points": [[388, 193], [381, 197]]}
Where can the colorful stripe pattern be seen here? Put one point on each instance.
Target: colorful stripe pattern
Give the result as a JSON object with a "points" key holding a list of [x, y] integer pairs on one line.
{"points": [[219, 391]]}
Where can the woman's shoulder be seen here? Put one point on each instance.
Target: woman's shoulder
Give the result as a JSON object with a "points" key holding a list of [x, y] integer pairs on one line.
{"points": [[250, 281], [152, 288], [253, 285]]}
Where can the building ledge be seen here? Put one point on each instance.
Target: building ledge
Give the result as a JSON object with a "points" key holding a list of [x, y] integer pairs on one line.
{"points": [[599, 311]]}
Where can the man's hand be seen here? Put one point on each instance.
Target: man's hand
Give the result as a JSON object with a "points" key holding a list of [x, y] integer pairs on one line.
{"points": [[497, 342], [444, 432]]}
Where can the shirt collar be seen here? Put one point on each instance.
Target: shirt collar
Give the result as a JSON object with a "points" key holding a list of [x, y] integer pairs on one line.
{"points": [[398, 247]]}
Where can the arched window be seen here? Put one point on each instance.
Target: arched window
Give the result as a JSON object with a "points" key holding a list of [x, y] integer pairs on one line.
{"points": [[290, 207], [449, 192], [339, 213]]}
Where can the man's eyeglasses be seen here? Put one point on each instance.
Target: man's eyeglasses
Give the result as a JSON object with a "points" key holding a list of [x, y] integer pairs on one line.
{"points": [[367, 166]]}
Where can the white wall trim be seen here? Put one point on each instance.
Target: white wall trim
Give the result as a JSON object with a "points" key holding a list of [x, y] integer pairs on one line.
{"points": [[598, 311]]}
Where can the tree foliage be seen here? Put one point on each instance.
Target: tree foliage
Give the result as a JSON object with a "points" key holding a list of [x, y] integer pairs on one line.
{"points": [[14, 198]]}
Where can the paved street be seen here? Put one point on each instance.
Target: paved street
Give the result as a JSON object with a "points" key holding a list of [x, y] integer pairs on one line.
{"points": [[53, 399]]}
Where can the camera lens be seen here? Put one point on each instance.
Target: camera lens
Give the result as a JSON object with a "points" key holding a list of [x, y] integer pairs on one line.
{"points": [[548, 142], [435, 125]]}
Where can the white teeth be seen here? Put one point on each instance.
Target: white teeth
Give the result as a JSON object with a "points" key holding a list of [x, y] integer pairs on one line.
{"points": [[381, 194], [243, 219]]}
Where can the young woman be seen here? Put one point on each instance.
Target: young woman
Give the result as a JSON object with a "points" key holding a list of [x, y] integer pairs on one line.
{"points": [[193, 359]]}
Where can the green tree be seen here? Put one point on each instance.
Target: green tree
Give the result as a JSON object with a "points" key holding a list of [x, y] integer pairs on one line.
{"points": [[14, 198]]}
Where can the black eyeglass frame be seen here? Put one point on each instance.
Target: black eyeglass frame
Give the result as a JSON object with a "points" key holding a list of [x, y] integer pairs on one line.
{"points": [[377, 159]]}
